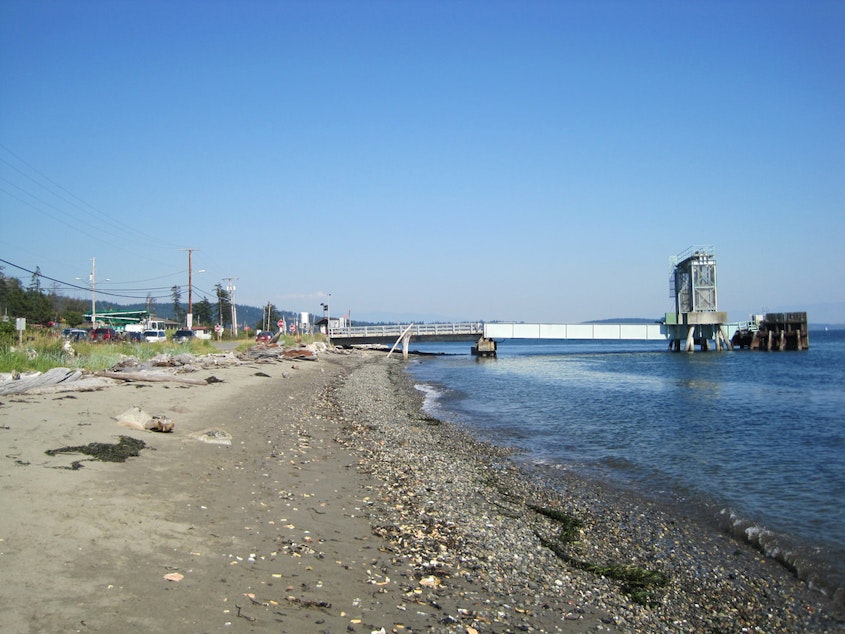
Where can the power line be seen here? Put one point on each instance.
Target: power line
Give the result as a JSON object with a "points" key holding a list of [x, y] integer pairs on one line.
{"points": [[70, 198], [123, 295], [58, 205]]}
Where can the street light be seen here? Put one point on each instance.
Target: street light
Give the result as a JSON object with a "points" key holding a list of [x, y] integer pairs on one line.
{"points": [[93, 280]]}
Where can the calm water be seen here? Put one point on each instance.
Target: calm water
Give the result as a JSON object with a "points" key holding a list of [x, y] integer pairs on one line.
{"points": [[754, 441]]}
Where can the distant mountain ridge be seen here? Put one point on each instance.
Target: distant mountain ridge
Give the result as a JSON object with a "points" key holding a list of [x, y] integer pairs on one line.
{"points": [[624, 320]]}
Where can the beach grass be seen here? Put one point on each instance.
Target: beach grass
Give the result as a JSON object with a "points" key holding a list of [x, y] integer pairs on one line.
{"points": [[42, 352]]}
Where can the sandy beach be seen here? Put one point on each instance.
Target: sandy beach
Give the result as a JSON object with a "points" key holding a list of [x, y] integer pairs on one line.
{"points": [[338, 506]]}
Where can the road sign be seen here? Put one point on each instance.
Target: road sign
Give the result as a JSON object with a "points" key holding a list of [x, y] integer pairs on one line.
{"points": [[281, 323]]}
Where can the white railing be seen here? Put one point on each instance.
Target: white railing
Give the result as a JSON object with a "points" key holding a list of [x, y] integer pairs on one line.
{"points": [[416, 330]]}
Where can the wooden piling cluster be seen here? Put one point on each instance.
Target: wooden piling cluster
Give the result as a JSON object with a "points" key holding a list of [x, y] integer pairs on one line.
{"points": [[777, 331]]}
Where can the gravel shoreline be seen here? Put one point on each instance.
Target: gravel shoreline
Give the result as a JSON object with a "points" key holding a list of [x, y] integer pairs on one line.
{"points": [[485, 547]]}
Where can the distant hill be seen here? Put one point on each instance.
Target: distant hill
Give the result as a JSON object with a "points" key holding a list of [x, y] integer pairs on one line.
{"points": [[625, 320]]}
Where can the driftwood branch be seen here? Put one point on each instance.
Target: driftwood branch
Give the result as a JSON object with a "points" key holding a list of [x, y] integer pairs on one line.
{"points": [[152, 377]]}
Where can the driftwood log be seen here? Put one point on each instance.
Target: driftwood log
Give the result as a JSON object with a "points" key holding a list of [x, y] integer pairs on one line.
{"points": [[52, 381], [155, 377]]}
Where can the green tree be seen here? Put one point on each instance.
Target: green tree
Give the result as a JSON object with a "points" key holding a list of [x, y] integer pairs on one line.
{"points": [[73, 318], [10, 295], [224, 305], [203, 312], [178, 311], [38, 308], [31, 303], [35, 282], [271, 316]]}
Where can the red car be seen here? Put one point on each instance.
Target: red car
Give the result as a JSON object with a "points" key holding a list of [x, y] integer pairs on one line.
{"points": [[104, 334], [264, 335]]}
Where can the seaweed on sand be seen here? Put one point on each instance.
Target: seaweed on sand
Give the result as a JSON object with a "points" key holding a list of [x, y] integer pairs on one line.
{"points": [[127, 447], [638, 583]]}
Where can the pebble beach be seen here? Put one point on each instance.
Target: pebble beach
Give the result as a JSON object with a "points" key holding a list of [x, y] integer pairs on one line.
{"points": [[336, 504], [465, 512]]}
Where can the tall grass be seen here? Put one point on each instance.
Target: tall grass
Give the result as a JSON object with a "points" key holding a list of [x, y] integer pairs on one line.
{"points": [[43, 352]]}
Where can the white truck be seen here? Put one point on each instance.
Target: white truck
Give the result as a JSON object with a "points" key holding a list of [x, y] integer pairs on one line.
{"points": [[149, 330]]}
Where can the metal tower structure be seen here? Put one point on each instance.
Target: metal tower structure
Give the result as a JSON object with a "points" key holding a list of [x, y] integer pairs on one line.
{"points": [[693, 280], [697, 319]]}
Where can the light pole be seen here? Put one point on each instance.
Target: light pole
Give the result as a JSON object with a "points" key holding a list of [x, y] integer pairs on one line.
{"points": [[93, 293], [231, 289], [93, 281], [189, 318]]}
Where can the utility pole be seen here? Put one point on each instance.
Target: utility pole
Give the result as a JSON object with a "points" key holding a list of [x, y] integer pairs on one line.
{"points": [[189, 319], [93, 293], [93, 280], [230, 287]]}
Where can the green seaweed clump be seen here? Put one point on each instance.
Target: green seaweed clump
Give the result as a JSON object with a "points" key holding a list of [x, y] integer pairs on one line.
{"points": [[106, 452], [568, 525], [638, 583]]}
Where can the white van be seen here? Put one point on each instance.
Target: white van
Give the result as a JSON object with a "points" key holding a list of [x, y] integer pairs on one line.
{"points": [[154, 336]]}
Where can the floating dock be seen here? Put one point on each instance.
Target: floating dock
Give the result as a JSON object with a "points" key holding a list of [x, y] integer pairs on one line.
{"points": [[774, 331]]}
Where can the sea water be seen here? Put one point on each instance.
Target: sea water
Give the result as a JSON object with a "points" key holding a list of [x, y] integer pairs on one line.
{"points": [[752, 441]]}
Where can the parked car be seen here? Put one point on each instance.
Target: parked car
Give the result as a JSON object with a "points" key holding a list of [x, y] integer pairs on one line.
{"points": [[263, 335], [75, 334], [183, 336], [133, 336], [154, 336], [105, 334]]}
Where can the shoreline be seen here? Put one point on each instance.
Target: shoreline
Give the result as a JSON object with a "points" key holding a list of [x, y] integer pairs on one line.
{"points": [[339, 506], [799, 559], [812, 550], [715, 581]]}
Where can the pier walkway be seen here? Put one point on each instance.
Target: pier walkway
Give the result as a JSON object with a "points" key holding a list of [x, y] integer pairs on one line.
{"points": [[486, 334], [696, 321]]}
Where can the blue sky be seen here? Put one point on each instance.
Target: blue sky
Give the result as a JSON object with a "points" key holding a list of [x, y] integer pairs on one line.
{"points": [[531, 161]]}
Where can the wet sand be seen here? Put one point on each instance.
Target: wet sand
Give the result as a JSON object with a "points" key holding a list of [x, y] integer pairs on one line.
{"points": [[338, 507]]}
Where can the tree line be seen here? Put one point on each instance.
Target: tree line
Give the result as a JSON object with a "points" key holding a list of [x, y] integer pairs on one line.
{"points": [[40, 306]]}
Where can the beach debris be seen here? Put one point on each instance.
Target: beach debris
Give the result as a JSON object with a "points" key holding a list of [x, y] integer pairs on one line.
{"points": [[303, 354], [160, 424], [430, 582], [213, 437], [174, 576], [136, 418], [127, 447], [51, 381], [303, 603], [244, 616], [151, 377]]}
